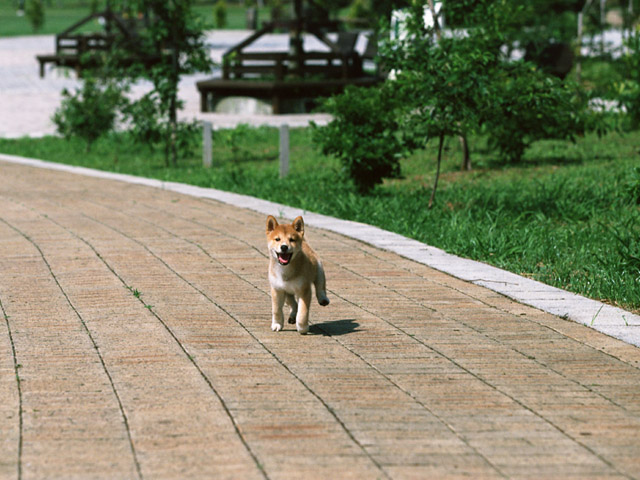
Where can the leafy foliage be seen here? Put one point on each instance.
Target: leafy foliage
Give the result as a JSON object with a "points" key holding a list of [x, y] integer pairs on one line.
{"points": [[632, 187], [143, 116], [463, 83], [34, 10], [90, 111], [531, 106], [173, 35], [363, 135], [628, 90], [453, 84], [220, 14]]}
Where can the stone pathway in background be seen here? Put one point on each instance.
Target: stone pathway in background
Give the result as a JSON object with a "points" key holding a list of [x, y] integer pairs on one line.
{"points": [[27, 101]]}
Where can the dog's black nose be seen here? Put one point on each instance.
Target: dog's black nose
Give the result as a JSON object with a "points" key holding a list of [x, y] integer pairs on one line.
{"points": [[284, 248]]}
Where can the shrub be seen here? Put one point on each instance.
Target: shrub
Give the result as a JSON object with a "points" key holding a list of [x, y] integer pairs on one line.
{"points": [[89, 112], [632, 187], [363, 135], [220, 14], [143, 117], [531, 106], [34, 10], [148, 126], [462, 83], [629, 90], [359, 10]]}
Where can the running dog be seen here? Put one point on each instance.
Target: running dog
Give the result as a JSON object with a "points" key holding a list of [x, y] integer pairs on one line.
{"points": [[293, 268]]}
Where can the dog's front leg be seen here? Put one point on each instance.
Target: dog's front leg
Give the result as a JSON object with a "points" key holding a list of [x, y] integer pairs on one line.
{"points": [[293, 304], [302, 318], [277, 301]]}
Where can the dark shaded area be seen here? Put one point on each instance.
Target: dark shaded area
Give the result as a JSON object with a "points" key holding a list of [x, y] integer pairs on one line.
{"points": [[335, 328]]}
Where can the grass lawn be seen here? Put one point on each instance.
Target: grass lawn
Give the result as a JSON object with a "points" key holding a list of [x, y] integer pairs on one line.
{"points": [[568, 215], [56, 20], [60, 15]]}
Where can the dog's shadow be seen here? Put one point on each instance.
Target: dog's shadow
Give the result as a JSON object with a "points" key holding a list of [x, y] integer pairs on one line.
{"points": [[334, 328]]}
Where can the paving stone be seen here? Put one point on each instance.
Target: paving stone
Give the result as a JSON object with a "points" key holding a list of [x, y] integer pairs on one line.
{"points": [[140, 320]]}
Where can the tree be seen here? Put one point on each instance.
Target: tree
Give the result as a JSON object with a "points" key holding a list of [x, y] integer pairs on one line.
{"points": [[444, 80], [462, 83], [172, 35]]}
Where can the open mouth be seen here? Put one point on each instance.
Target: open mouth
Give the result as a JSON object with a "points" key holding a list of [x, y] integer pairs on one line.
{"points": [[284, 258]]}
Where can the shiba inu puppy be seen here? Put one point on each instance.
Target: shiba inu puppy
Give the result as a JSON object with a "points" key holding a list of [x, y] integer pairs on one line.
{"points": [[293, 268]]}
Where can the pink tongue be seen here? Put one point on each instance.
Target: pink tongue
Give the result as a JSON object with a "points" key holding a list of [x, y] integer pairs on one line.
{"points": [[284, 257]]}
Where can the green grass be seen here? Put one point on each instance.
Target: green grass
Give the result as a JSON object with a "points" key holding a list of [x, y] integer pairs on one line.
{"points": [[60, 15], [569, 215], [57, 19]]}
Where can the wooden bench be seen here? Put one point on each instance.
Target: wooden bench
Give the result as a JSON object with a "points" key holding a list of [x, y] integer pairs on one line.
{"points": [[276, 92], [340, 61], [280, 64], [295, 74], [72, 47]]}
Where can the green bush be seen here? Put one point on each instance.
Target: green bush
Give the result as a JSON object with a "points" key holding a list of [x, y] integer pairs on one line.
{"points": [[220, 14], [531, 106], [143, 117], [34, 10], [148, 126], [633, 186], [89, 112], [629, 89], [363, 135], [462, 84], [358, 10]]}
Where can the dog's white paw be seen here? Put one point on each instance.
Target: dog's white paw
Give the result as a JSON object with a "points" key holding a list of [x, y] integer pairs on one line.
{"points": [[276, 327], [303, 330]]}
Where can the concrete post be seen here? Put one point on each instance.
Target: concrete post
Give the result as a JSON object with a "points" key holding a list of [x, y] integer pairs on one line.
{"points": [[206, 145], [284, 150]]}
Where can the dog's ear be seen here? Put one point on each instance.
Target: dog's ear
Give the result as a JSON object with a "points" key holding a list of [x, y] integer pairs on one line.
{"points": [[272, 223], [298, 225]]}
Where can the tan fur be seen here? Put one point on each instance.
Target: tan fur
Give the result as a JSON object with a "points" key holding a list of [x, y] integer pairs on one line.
{"points": [[293, 268]]}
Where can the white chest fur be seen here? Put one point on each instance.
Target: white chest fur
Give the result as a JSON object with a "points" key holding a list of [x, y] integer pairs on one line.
{"points": [[279, 280]]}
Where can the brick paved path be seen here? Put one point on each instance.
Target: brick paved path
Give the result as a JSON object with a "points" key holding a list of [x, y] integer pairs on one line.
{"points": [[135, 342]]}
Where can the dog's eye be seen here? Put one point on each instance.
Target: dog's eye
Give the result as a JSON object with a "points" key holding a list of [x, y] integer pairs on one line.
{"points": [[277, 239]]}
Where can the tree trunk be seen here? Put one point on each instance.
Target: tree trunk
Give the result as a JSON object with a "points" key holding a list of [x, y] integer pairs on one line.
{"points": [[173, 135], [603, 24], [295, 39], [436, 23], [173, 106], [579, 40], [579, 48], [435, 183], [466, 157]]}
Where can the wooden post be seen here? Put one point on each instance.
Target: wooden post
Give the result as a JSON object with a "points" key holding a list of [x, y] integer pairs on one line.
{"points": [[206, 145], [284, 150]]}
